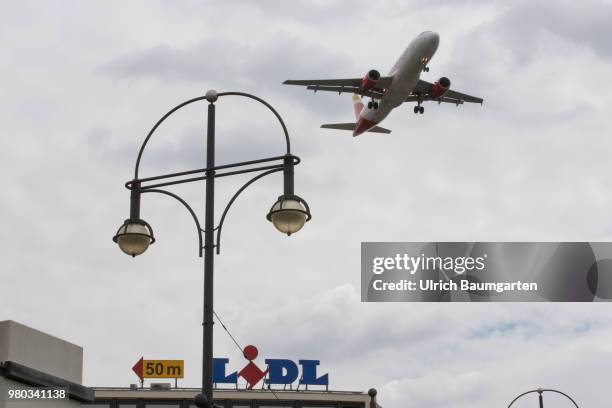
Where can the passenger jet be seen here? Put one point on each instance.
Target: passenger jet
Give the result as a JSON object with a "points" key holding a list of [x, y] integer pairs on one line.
{"points": [[402, 84]]}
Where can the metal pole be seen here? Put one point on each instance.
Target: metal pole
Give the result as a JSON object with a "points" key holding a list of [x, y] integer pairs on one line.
{"points": [[288, 176], [209, 259], [135, 200]]}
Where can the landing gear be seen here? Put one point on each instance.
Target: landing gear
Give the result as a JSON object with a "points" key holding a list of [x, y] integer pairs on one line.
{"points": [[372, 104], [425, 68], [419, 109]]}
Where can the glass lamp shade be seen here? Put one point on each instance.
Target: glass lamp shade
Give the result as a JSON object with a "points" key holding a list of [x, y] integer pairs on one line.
{"points": [[289, 214], [134, 237]]}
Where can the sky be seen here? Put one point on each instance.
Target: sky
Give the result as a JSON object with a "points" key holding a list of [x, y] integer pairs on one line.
{"points": [[83, 83]]}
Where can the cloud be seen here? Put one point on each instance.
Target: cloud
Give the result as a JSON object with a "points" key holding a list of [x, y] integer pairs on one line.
{"points": [[221, 60], [226, 64], [585, 25]]}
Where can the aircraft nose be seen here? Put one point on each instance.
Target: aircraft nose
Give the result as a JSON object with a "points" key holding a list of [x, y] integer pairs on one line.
{"points": [[435, 38]]}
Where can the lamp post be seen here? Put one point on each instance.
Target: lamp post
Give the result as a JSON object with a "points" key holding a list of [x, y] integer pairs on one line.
{"points": [[288, 214], [540, 391]]}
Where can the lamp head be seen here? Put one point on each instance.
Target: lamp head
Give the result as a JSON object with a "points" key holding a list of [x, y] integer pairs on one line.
{"points": [[134, 236], [289, 214]]}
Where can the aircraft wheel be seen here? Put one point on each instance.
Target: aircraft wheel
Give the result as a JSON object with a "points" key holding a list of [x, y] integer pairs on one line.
{"points": [[421, 109], [370, 105], [375, 105], [416, 109]]}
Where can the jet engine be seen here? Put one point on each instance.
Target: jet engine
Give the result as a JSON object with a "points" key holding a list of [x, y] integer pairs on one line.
{"points": [[440, 87], [370, 79]]}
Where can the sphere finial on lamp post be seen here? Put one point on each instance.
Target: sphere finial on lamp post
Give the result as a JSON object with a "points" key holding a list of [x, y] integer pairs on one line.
{"points": [[211, 95]]}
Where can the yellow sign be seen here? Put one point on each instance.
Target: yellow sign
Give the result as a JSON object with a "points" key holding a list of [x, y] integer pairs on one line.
{"points": [[163, 369]]}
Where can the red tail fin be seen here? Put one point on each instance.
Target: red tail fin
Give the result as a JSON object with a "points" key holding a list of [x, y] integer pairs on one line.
{"points": [[358, 105]]}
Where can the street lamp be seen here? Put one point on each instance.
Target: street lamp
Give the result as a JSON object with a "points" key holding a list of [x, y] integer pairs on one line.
{"points": [[135, 235], [288, 214], [540, 391]]}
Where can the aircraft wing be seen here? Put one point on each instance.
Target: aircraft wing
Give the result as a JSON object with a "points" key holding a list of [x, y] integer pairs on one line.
{"points": [[377, 94], [352, 85], [422, 91]]}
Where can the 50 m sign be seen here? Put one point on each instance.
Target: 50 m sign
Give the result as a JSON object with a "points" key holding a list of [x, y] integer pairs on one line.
{"points": [[159, 368]]}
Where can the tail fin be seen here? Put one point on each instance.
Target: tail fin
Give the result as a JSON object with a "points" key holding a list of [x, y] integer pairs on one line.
{"points": [[358, 105]]}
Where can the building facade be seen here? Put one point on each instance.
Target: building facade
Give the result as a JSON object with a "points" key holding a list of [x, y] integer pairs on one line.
{"points": [[183, 398], [33, 364]]}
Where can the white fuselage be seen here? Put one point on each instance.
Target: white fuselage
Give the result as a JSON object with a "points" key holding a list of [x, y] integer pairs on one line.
{"points": [[405, 73]]}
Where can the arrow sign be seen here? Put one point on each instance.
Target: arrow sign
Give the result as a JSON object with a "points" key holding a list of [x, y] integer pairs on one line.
{"points": [[138, 368], [159, 368]]}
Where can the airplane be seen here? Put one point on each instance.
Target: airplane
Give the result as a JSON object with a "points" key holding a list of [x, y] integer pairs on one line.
{"points": [[402, 84]]}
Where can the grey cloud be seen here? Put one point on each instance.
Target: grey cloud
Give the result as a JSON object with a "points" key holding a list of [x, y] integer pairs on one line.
{"points": [[228, 65], [522, 32], [165, 62], [303, 11], [586, 24], [521, 28], [462, 377], [224, 61]]}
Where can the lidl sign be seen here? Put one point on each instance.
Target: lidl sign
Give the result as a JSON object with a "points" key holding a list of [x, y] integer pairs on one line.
{"points": [[278, 371]]}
